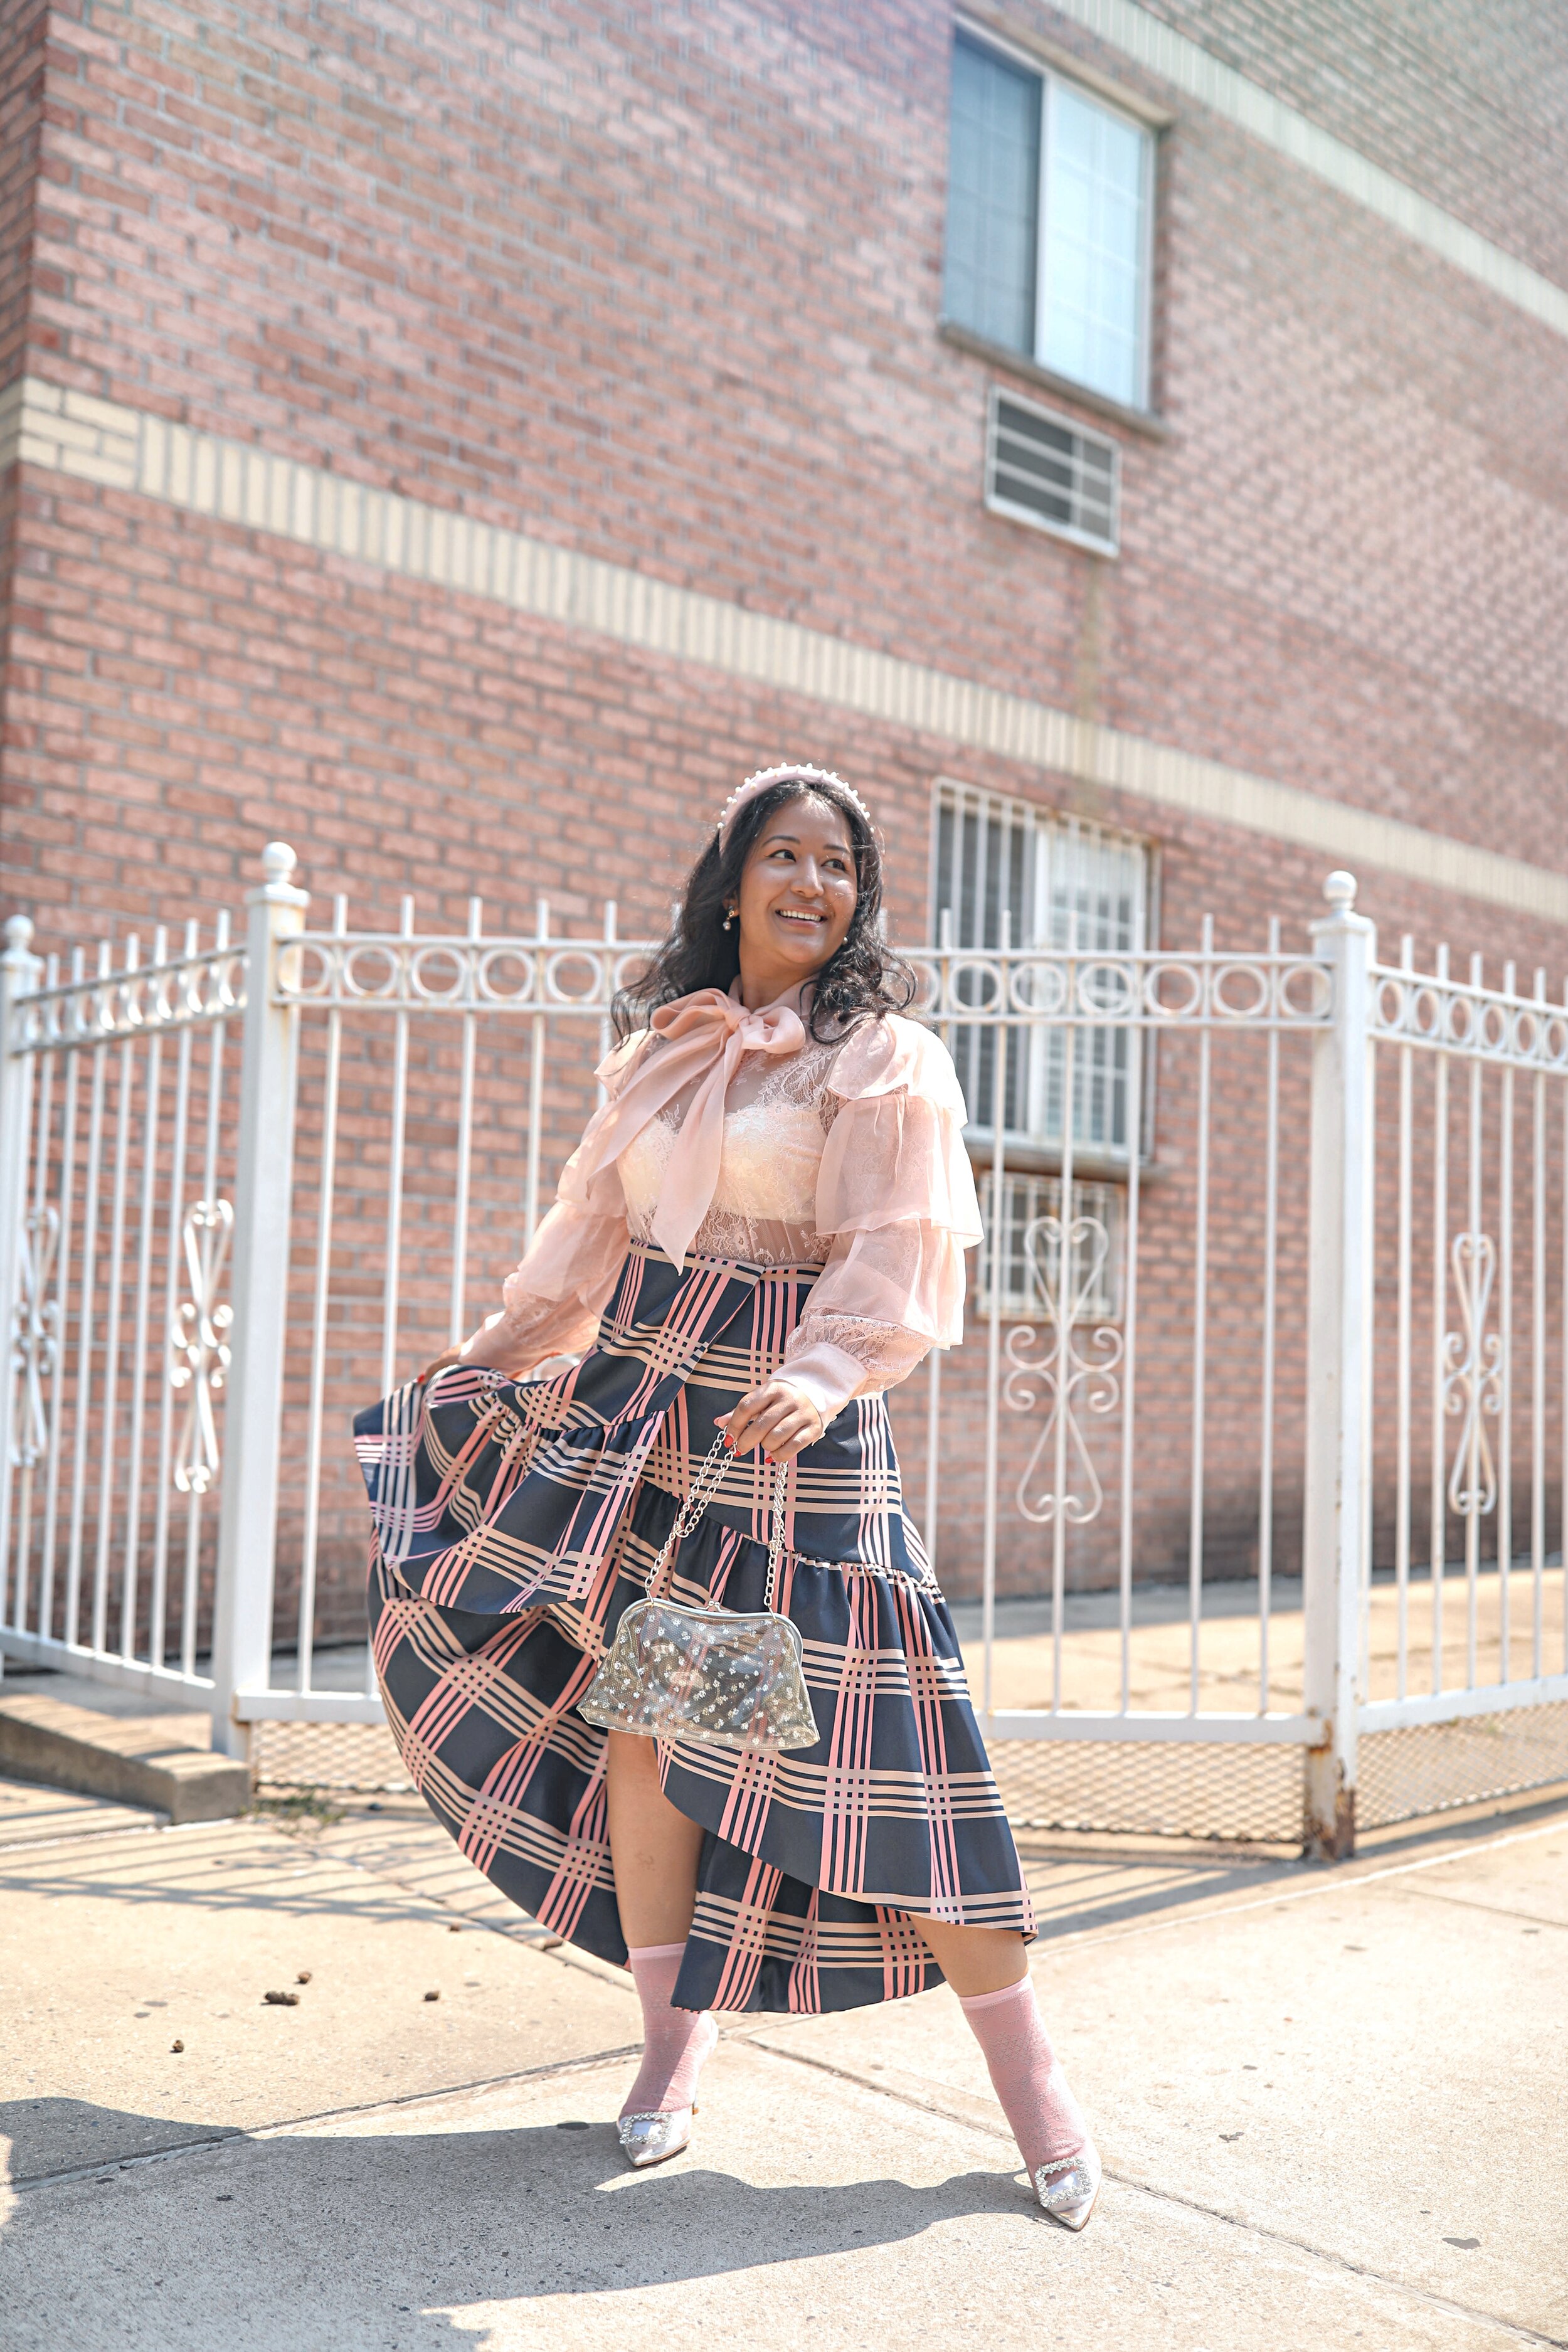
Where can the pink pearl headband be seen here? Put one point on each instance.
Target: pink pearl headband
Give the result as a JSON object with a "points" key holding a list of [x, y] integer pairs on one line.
{"points": [[765, 777]]}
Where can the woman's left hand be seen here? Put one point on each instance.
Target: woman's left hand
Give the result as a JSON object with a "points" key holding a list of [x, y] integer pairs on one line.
{"points": [[776, 1417]]}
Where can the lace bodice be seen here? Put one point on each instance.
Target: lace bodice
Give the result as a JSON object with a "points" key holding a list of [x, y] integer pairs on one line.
{"points": [[846, 1155], [763, 1211]]}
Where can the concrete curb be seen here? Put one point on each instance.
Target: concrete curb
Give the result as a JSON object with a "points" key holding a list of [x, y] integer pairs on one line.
{"points": [[127, 1761]]}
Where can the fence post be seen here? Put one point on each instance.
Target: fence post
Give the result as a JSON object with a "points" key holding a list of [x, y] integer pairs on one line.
{"points": [[1339, 1322], [248, 1522], [19, 970]]}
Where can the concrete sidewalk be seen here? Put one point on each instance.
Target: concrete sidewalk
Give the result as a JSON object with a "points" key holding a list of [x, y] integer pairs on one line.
{"points": [[1331, 2106]]}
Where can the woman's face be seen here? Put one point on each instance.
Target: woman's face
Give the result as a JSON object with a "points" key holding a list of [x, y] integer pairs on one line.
{"points": [[798, 890]]}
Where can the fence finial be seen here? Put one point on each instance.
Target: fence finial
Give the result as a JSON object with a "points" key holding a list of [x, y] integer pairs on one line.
{"points": [[18, 934], [277, 863], [1339, 891]]}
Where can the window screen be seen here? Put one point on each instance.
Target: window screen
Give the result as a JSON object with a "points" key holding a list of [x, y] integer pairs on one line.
{"points": [[993, 181]]}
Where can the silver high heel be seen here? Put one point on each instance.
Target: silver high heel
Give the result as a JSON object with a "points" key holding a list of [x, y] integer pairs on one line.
{"points": [[1068, 2188], [648, 2139]]}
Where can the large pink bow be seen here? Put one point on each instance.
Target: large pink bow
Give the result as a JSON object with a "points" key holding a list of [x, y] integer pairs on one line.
{"points": [[706, 1035]]}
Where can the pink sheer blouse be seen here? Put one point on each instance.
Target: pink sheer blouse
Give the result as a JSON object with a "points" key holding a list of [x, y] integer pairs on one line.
{"points": [[849, 1156]]}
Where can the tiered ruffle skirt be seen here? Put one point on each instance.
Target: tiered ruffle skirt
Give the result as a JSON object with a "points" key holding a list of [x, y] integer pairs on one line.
{"points": [[514, 1522]]}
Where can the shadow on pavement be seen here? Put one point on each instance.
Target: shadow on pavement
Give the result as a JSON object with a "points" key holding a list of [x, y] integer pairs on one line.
{"points": [[1074, 1894], [212, 1888], [55, 2135], [373, 2238]]}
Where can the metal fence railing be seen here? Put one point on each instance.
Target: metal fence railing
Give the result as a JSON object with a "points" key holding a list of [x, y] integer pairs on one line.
{"points": [[1257, 1443]]}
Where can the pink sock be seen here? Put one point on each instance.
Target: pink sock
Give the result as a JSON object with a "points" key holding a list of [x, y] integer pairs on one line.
{"points": [[1047, 2120], [676, 2041]]}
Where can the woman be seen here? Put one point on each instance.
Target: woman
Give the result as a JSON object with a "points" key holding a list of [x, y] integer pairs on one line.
{"points": [[761, 1230]]}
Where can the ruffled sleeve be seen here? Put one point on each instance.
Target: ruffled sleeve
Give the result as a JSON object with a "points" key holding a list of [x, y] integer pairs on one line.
{"points": [[550, 1305], [896, 1192]]}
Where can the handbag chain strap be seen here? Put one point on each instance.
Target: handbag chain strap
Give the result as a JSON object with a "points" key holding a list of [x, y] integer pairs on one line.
{"points": [[704, 1487]]}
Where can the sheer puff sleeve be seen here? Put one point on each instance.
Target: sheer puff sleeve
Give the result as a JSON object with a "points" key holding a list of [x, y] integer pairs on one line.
{"points": [[895, 1192], [551, 1306]]}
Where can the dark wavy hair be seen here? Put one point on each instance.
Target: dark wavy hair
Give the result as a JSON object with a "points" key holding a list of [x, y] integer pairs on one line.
{"points": [[862, 980]]}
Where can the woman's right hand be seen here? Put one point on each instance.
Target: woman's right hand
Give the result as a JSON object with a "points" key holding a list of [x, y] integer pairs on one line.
{"points": [[778, 1417]]}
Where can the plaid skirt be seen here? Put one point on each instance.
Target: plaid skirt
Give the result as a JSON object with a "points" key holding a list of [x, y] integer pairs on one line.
{"points": [[515, 1521]]}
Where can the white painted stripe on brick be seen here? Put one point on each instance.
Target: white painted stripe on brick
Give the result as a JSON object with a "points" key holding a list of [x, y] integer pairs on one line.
{"points": [[323, 511], [1190, 68]]}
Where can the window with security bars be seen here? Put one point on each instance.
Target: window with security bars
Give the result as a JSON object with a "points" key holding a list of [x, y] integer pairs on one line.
{"points": [[1049, 204], [1060, 883], [1043, 470], [1030, 1255]]}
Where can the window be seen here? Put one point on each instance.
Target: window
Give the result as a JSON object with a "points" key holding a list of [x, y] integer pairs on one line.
{"points": [[1063, 883], [994, 196], [1027, 1274], [1047, 229], [1046, 470]]}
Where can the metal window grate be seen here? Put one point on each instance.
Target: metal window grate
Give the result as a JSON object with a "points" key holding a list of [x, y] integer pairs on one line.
{"points": [[1063, 883], [1097, 1253], [1043, 470]]}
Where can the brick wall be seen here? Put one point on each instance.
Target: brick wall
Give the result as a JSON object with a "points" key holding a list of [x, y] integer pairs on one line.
{"points": [[21, 101], [21, 97], [665, 289], [1468, 110], [673, 301]]}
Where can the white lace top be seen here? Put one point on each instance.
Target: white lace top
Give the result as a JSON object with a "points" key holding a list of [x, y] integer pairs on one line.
{"points": [[846, 1155], [776, 1120]]}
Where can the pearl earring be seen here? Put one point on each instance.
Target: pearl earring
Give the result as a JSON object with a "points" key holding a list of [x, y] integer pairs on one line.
{"points": [[729, 916]]}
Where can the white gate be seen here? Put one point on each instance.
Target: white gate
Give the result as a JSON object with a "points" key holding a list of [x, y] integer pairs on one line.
{"points": [[1259, 1348]]}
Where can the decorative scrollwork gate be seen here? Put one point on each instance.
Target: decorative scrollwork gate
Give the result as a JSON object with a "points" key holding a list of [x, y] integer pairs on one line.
{"points": [[1180, 1473]]}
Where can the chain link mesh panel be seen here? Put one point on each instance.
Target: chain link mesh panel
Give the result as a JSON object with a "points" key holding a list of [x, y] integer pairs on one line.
{"points": [[1151, 1789], [357, 1757], [1430, 1768], [1133, 1788], [1154, 1788]]}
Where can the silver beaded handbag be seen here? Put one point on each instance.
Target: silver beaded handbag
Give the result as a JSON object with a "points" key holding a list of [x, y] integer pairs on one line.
{"points": [[724, 1677]]}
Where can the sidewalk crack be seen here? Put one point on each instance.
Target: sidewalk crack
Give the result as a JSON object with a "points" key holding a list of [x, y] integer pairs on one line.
{"points": [[554, 2069], [1493, 1910]]}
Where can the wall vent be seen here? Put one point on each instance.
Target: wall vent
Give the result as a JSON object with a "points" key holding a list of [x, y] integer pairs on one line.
{"points": [[1041, 468]]}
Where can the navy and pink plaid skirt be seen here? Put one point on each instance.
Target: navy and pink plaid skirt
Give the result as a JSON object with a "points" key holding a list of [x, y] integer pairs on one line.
{"points": [[514, 1522]]}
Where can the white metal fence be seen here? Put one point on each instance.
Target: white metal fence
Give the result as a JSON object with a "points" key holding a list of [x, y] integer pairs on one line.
{"points": [[1258, 1447]]}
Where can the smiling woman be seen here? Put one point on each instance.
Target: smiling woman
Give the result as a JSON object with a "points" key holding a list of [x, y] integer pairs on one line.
{"points": [[699, 1711], [714, 945], [796, 901]]}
